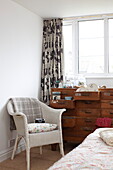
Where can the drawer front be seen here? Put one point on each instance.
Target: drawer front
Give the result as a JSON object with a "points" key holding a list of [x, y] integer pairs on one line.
{"points": [[87, 104], [88, 112], [84, 131], [81, 132], [87, 96], [107, 95], [70, 112], [64, 92], [67, 93], [107, 113], [75, 139], [85, 126], [68, 121], [70, 132], [108, 104], [62, 104], [86, 122], [81, 127]]}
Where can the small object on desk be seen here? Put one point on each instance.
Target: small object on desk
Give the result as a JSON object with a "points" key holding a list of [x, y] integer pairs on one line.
{"points": [[68, 98], [61, 84], [56, 92], [103, 87], [56, 97], [39, 120], [92, 87], [82, 88]]}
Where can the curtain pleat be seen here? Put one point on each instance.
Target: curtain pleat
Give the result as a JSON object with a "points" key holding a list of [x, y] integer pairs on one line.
{"points": [[52, 57]]}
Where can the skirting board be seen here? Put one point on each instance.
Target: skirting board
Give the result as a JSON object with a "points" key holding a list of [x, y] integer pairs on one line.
{"points": [[6, 154]]}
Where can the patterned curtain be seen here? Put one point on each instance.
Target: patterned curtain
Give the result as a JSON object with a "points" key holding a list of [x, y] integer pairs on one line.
{"points": [[52, 57]]}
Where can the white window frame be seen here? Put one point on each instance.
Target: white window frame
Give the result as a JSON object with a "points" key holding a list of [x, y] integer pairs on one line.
{"points": [[75, 44]]}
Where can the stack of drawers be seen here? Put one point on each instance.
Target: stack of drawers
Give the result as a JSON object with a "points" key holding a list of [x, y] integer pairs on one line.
{"points": [[107, 103], [87, 106], [69, 117]]}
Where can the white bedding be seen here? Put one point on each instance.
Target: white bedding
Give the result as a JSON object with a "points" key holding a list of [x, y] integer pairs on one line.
{"points": [[92, 154]]}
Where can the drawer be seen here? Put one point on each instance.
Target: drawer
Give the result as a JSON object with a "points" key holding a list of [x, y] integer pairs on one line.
{"points": [[86, 122], [84, 131], [75, 139], [107, 113], [64, 91], [87, 96], [87, 104], [68, 121], [88, 112], [76, 133], [108, 104], [67, 93], [62, 104], [70, 132], [107, 95], [70, 112], [82, 127]]}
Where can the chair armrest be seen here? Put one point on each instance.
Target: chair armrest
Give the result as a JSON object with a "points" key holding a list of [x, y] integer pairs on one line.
{"points": [[52, 115], [20, 120]]}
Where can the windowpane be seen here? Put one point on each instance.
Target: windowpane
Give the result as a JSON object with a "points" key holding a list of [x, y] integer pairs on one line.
{"points": [[91, 46], [68, 62], [110, 45]]}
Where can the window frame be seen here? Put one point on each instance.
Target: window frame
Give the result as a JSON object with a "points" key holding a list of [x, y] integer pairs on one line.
{"points": [[75, 44]]}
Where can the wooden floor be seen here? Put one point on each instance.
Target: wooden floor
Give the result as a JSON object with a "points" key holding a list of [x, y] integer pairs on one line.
{"points": [[38, 162]]}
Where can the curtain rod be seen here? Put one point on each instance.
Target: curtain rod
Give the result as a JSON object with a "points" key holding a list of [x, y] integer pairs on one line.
{"points": [[88, 16], [81, 17]]}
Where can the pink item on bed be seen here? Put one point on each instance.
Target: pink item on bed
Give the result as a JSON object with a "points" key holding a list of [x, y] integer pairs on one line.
{"points": [[103, 122]]}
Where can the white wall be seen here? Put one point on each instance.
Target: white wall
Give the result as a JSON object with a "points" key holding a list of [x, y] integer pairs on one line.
{"points": [[20, 60]]}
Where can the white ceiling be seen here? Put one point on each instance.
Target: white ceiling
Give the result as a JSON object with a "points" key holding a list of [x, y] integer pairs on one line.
{"points": [[67, 8]]}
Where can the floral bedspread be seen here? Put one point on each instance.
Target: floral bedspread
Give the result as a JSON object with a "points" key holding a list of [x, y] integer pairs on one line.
{"points": [[91, 154]]}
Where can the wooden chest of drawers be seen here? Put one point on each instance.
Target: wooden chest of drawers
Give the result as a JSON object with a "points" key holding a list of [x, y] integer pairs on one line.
{"points": [[87, 106], [82, 110], [107, 103]]}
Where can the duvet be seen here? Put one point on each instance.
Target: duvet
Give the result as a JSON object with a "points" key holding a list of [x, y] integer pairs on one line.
{"points": [[92, 154]]}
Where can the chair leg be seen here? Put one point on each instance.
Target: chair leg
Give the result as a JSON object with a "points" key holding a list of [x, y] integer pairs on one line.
{"points": [[28, 157], [15, 147], [40, 150], [61, 149]]}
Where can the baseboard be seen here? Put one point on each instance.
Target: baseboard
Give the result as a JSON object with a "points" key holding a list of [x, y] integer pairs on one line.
{"points": [[6, 154]]}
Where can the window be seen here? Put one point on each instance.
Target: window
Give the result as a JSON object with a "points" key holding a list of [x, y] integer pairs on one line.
{"points": [[88, 46], [110, 45], [91, 46], [68, 62]]}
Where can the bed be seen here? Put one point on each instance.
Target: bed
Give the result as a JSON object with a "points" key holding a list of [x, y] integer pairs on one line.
{"points": [[92, 154]]}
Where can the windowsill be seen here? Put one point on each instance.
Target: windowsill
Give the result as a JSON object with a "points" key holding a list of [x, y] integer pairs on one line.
{"points": [[93, 76], [100, 76], [89, 76]]}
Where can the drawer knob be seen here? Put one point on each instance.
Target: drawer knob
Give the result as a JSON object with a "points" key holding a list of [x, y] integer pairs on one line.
{"points": [[87, 102], [87, 112], [68, 117], [87, 129], [61, 102], [88, 120], [85, 94]]}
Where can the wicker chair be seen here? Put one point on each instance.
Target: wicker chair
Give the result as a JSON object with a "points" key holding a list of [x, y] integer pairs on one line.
{"points": [[37, 139]]}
